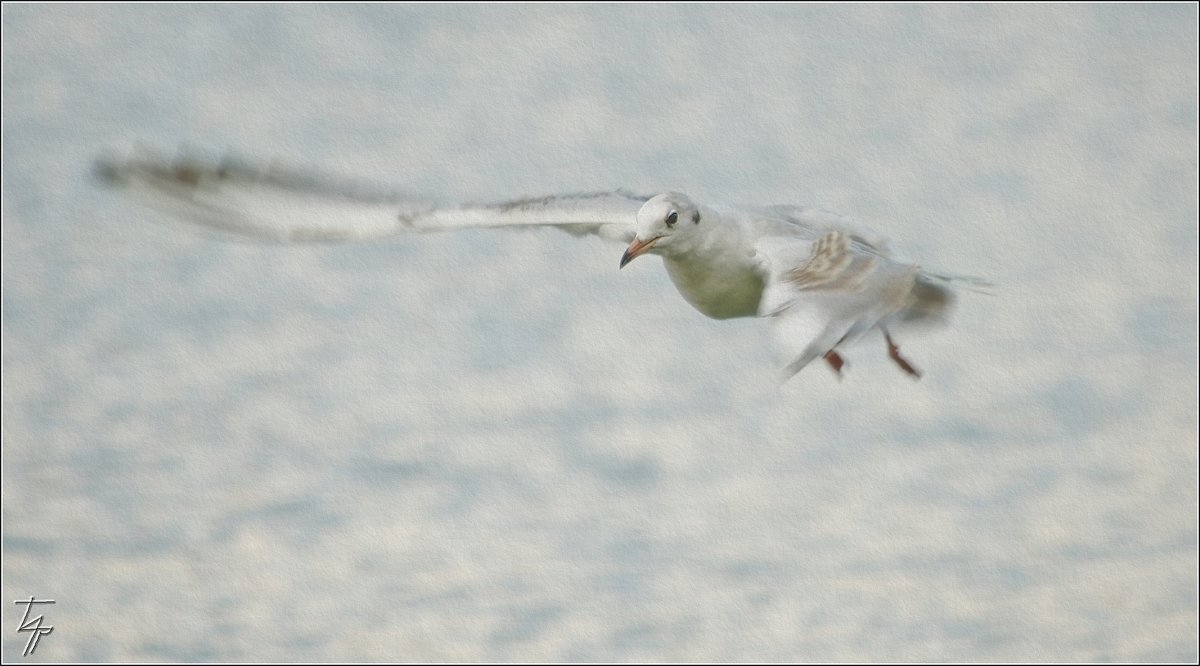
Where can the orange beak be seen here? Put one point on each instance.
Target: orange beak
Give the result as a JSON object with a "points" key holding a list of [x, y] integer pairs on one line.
{"points": [[636, 249]]}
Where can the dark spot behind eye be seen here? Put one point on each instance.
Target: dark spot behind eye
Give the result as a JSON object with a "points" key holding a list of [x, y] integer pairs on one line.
{"points": [[672, 218], [696, 217]]}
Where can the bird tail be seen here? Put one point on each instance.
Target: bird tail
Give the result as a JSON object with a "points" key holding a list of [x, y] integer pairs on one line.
{"points": [[933, 295]]}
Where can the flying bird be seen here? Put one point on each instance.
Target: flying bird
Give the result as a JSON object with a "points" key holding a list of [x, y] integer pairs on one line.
{"points": [[820, 281]]}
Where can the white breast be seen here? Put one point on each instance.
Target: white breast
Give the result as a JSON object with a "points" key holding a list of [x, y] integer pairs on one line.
{"points": [[721, 290]]}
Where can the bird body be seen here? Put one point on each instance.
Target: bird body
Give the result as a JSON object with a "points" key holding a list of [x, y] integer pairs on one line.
{"points": [[821, 282], [719, 283]]}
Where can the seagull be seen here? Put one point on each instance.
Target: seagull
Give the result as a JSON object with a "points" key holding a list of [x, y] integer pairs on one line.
{"points": [[822, 282]]}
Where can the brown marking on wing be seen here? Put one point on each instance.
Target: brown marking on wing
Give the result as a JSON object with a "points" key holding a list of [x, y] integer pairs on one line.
{"points": [[831, 266]]}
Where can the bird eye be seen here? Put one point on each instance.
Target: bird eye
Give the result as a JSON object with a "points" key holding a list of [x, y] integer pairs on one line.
{"points": [[672, 218]]}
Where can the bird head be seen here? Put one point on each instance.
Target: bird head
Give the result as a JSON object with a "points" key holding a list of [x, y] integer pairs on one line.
{"points": [[664, 224]]}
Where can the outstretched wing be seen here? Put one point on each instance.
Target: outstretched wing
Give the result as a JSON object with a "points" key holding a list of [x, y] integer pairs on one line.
{"points": [[288, 205], [823, 293]]}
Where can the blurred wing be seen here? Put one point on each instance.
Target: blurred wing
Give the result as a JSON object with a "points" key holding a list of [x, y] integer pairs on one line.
{"points": [[812, 223], [285, 205], [827, 292]]}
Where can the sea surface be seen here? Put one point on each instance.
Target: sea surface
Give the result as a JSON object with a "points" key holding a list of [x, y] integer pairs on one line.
{"points": [[493, 445]]}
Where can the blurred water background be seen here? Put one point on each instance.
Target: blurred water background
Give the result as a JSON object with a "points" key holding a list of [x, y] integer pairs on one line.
{"points": [[495, 446]]}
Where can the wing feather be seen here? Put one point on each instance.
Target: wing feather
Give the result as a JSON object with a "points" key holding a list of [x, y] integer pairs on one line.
{"points": [[289, 205], [834, 294]]}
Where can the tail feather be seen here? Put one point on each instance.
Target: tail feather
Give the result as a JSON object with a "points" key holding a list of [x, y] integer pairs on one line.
{"points": [[933, 295], [929, 301]]}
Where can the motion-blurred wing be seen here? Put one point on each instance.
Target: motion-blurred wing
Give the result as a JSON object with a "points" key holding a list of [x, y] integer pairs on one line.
{"points": [[827, 292], [286, 205]]}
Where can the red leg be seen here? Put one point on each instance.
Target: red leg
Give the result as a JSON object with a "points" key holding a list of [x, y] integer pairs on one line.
{"points": [[835, 361], [894, 354]]}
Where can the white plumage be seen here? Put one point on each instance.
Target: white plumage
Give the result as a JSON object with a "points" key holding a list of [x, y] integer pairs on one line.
{"points": [[822, 283]]}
